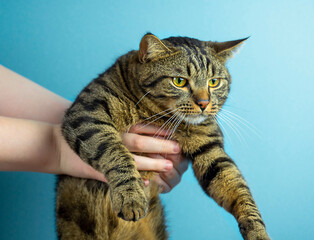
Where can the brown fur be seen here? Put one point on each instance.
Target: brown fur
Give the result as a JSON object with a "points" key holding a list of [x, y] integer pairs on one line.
{"points": [[138, 88]]}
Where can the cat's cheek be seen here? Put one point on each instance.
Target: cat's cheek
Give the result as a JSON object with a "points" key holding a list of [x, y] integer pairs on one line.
{"points": [[171, 103]]}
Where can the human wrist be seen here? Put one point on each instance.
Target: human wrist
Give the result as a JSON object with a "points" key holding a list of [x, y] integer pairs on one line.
{"points": [[68, 162]]}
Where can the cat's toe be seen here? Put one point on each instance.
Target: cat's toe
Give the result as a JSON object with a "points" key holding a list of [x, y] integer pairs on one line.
{"points": [[130, 205], [132, 211]]}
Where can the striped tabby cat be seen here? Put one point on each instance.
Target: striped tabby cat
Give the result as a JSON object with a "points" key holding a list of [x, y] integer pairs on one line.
{"points": [[184, 82]]}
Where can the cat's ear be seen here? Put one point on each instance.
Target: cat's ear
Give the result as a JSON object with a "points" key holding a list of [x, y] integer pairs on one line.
{"points": [[151, 47], [226, 49]]}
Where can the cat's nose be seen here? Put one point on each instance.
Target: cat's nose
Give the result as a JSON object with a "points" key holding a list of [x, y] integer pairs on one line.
{"points": [[202, 104]]}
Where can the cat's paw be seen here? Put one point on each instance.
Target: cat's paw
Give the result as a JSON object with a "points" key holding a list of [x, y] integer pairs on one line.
{"points": [[130, 203], [253, 230], [257, 235]]}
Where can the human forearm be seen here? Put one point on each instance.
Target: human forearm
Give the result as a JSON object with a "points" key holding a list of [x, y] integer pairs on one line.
{"points": [[26, 146], [22, 98]]}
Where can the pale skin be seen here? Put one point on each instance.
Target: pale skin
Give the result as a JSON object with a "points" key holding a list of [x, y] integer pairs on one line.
{"points": [[31, 140]]}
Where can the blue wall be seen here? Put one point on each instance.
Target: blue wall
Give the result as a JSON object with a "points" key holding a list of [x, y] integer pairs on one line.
{"points": [[62, 45]]}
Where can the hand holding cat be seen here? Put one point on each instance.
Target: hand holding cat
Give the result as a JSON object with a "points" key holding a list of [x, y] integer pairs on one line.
{"points": [[139, 139], [162, 156], [27, 141], [39, 147]]}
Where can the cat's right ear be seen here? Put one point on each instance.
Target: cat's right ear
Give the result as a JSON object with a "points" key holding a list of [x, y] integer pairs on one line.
{"points": [[226, 50], [151, 47]]}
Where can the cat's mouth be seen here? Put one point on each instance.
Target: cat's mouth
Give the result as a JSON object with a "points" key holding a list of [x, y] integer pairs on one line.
{"points": [[194, 119]]}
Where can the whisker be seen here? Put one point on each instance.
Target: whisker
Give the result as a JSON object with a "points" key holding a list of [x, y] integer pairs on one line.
{"points": [[176, 125], [223, 128], [232, 120], [154, 116], [158, 118], [176, 122], [234, 107], [234, 127], [244, 122], [157, 114], [237, 116], [169, 129], [164, 125], [166, 137], [141, 98], [187, 124]]}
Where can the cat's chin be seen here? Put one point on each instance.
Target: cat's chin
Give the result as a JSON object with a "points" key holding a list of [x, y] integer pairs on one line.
{"points": [[195, 119]]}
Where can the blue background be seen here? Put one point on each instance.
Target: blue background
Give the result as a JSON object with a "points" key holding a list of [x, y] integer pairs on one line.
{"points": [[62, 45]]}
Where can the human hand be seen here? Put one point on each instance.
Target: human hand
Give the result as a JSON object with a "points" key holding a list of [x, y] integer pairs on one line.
{"points": [[162, 156], [69, 163]]}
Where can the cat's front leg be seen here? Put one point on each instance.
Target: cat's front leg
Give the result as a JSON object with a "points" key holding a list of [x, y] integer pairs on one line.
{"points": [[126, 185], [96, 140], [220, 179]]}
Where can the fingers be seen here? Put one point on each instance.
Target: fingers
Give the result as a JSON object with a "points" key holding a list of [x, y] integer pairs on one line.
{"points": [[152, 163], [172, 178], [162, 156], [180, 163], [165, 188], [147, 144], [168, 177]]}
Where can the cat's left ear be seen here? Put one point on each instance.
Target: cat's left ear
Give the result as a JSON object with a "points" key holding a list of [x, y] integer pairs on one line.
{"points": [[226, 49], [151, 47]]}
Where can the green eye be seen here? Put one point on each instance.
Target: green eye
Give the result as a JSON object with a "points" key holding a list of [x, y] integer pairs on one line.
{"points": [[179, 82], [214, 82]]}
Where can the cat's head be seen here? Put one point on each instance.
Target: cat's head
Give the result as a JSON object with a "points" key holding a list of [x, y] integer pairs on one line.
{"points": [[185, 75]]}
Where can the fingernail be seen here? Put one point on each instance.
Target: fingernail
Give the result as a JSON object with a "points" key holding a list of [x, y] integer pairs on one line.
{"points": [[168, 165], [176, 148], [146, 182]]}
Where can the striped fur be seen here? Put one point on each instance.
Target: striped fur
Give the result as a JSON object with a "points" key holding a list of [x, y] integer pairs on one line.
{"points": [[138, 88]]}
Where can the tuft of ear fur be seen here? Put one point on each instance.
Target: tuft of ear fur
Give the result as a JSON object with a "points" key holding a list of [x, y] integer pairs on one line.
{"points": [[226, 49], [151, 47]]}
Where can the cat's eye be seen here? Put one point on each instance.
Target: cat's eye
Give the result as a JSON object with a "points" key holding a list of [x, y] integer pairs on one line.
{"points": [[179, 81], [213, 83]]}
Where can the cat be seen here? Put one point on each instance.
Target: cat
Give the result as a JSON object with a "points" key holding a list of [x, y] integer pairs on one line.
{"points": [[179, 83]]}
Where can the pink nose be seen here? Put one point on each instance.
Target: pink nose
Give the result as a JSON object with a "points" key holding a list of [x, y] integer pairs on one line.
{"points": [[202, 104]]}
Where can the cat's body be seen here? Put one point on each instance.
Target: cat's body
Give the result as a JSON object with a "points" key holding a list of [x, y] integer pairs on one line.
{"points": [[177, 83], [90, 215]]}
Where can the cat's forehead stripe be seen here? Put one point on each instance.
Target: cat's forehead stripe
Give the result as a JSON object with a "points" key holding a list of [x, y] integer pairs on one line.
{"points": [[188, 70], [200, 65], [198, 57], [213, 70], [207, 63], [193, 64]]}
